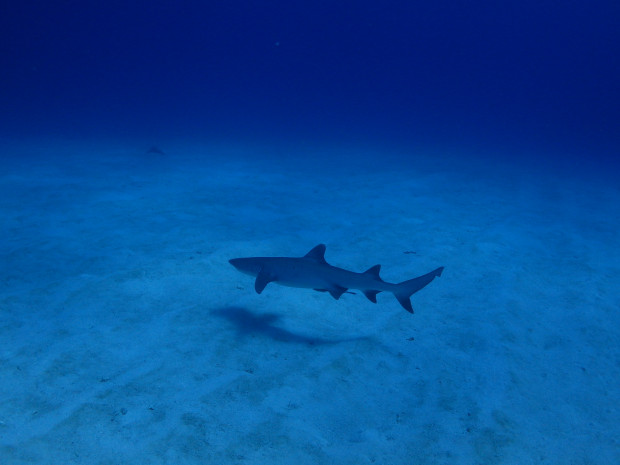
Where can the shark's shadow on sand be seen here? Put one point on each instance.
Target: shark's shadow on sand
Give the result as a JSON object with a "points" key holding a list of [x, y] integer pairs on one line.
{"points": [[265, 324]]}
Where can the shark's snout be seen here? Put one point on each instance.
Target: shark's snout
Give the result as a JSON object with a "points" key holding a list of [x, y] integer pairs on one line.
{"points": [[246, 265]]}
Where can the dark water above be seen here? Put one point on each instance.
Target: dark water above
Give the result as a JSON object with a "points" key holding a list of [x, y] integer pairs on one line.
{"points": [[534, 76]]}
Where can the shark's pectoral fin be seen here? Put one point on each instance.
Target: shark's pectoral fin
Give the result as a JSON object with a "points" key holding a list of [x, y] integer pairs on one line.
{"points": [[372, 296], [263, 278], [337, 291]]}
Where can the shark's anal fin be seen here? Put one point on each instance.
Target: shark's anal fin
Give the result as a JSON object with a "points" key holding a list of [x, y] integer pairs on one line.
{"points": [[263, 278], [372, 296]]}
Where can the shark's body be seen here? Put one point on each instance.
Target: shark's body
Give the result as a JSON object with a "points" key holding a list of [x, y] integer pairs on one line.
{"points": [[313, 272]]}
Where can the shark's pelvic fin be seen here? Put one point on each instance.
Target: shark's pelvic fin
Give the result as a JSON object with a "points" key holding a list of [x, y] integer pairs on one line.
{"points": [[345, 292], [317, 254], [263, 278], [337, 291]]}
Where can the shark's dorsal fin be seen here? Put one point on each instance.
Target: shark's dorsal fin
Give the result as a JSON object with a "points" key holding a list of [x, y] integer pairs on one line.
{"points": [[374, 271], [263, 278], [317, 254]]}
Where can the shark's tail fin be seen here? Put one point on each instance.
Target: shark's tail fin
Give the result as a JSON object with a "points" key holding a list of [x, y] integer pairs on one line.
{"points": [[407, 288]]}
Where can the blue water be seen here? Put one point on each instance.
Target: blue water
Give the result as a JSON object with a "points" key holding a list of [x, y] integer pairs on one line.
{"points": [[144, 145], [529, 76]]}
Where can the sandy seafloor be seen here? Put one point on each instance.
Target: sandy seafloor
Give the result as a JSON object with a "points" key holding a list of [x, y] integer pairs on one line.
{"points": [[127, 338]]}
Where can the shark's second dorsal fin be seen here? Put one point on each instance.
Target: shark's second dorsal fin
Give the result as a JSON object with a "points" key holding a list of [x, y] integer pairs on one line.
{"points": [[317, 254], [374, 272]]}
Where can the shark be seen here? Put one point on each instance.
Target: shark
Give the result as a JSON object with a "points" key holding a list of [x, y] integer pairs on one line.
{"points": [[313, 272]]}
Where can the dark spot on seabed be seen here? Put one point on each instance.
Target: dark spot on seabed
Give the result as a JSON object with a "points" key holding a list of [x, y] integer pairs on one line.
{"points": [[154, 150], [265, 324], [247, 322]]}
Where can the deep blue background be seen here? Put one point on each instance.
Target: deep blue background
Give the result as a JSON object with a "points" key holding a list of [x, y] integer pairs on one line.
{"points": [[525, 75]]}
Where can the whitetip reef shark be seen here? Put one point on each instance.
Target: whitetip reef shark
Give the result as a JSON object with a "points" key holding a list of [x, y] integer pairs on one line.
{"points": [[313, 272]]}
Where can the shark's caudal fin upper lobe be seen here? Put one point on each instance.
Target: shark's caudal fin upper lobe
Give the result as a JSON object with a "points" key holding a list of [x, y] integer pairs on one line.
{"points": [[407, 288]]}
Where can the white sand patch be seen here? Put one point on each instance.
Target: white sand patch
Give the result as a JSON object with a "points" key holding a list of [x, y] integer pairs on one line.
{"points": [[126, 337]]}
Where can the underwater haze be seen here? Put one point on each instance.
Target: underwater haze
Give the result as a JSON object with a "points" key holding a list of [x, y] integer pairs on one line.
{"points": [[143, 145]]}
